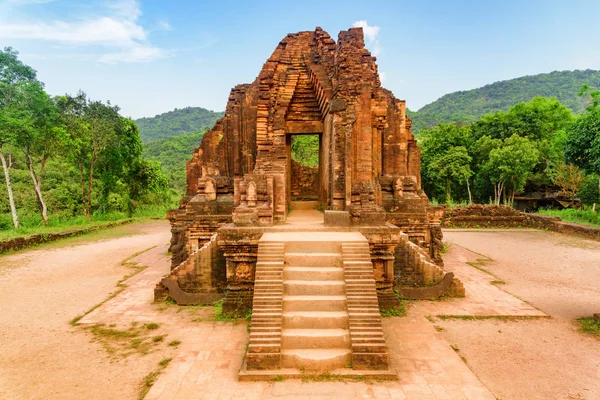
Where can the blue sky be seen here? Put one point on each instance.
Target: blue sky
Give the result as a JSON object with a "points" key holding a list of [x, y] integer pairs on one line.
{"points": [[150, 57]]}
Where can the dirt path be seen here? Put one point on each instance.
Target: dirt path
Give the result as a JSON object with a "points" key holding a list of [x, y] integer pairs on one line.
{"points": [[42, 356], [534, 359]]}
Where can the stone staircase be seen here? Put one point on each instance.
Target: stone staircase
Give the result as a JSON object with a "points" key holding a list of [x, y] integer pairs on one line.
{"points": [[315, 333], [264, 347], [315, 308], [369, 350]]}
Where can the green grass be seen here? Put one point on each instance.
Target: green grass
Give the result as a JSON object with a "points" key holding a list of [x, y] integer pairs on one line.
{"points": [[400, 311], [482, 317], [31, 224], [590, 325], [585, 217]]}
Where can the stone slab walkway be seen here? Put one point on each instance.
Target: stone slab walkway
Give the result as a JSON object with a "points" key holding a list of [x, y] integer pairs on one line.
{"points": [[208, 360]]}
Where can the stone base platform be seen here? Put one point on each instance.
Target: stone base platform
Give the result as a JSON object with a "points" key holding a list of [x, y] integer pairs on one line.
{"points": [[337, 374]]}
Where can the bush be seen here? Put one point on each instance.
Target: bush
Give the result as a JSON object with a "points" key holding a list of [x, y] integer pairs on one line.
{"points": [[589, 192]]}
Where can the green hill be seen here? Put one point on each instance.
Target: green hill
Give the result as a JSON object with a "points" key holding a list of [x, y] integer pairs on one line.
{"points": [[470, 105], [177, 122], [172, 154]]}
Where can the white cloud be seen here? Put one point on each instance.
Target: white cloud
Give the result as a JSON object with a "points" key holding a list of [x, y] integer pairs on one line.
{"points": [[117, 32], [136, 53], [164, 25], [371, 36]]}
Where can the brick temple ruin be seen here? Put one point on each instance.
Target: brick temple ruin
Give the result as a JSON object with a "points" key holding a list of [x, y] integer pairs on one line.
{"points": [[315, 282]]}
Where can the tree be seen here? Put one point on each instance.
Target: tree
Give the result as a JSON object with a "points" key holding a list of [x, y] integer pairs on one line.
{"points": [[143, 177], [436, 142], [589, 194], [454, 164], [569, 178], [594, 96], [582, 147], [15, 77], [510, 165], [41, 140]]}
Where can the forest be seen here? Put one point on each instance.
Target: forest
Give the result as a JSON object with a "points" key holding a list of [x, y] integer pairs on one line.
{"points": [[69, 159], [535, 145], [178, 122]]}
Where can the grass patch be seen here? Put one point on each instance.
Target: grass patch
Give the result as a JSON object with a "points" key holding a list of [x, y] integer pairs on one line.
{"points": [[151, 326], [400, 310], [590, 326], [438, 328], [479, 263], [219, 315], [498, 317], [124, 342], [31, 224], [165, 361], [498, 282], [174, 343], [584, 217], [158, 338], [150, 379], [278, 378], [329, 377]]}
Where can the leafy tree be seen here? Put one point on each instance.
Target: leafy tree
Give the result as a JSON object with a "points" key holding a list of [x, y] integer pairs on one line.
{"points": [[305, 149], [569, 178], [594, 96], [15, 78], [589, 194], [510, 165], [41, 140], [454, 164], [582, 147], [144, 177], [435, 144], [538, 119]]}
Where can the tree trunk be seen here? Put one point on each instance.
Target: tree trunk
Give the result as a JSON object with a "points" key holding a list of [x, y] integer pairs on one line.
{"points": [[11, 198], [448, 194], [37, 186], [82, 178], [470, 195], [91, 181]]}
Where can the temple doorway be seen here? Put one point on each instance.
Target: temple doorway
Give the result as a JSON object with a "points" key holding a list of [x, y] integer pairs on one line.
{"points": [[305, 164]]}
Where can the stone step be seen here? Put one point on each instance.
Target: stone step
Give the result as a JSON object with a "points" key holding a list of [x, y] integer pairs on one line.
{"points": [[315, 338], [314, 274], [313, 259], [316, 359], [312, 247], [264, 348], [314, 303], [313, 288], [369, 348], [315, 320]]}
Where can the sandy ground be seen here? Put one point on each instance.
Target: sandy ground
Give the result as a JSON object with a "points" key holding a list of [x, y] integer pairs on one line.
{"points": [[41, 355], [543, 358]]}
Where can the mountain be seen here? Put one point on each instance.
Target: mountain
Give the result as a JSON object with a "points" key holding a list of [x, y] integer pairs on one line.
{"points": [[177, 122], [172, 153], [471, 105]]}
